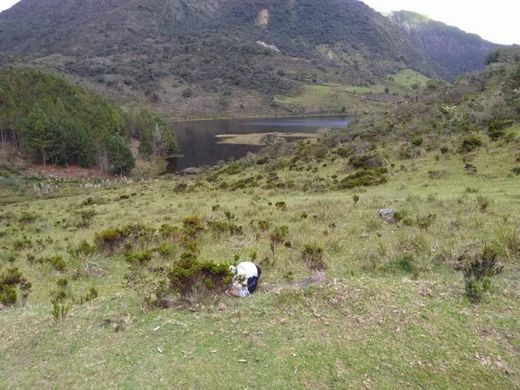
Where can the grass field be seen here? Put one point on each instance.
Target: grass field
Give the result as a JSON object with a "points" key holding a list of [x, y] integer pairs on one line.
{"points": [[392, 314]]}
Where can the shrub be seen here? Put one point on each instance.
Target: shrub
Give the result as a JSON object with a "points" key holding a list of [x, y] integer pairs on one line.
{"points": [[417, 141], [61, 299], [364, 178], [169, 232], [312, 256], [478, 267], [369, 161], [193, 226], [60, 310], [264, 225], [138, 258], [516, 171], [83, 249], [280, 234], [445, 149], [221, 227], [469, 144], [496, 128], [28, 217], [189, 277], [281, 205], [10, 281], [91, 295], [470, 168], [111, 239], [57, 262]]}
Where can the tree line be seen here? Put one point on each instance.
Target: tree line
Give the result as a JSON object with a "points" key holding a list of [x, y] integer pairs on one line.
{"points": [[51, 121]]}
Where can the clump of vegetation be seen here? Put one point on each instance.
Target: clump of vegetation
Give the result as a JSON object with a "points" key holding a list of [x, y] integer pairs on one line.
{"points": [[367, 161], [189, 277], [193, 225], [280, 234], [404, 263], [84, 248], [496, 128], [364, 178], [313, 257], [478, 267], [28, 217], [112, 239], [470, 143], [61, 299], [138, 257], [281, 205], [12, 281], [221, 227]]}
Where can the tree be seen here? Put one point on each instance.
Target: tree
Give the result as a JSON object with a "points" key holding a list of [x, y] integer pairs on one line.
{"points": [[38, 138], [119, 155]]}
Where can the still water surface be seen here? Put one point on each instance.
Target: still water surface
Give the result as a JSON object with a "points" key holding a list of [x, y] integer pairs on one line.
{"points": [[200, 145]]}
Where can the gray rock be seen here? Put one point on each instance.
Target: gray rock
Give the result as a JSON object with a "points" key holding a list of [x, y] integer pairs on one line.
{"points": [[388, 215]]}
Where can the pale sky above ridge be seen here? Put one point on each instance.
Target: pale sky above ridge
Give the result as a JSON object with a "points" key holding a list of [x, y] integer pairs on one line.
{"points": [[497, 21]]}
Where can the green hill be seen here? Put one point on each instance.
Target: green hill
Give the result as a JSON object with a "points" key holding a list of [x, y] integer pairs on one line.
{"points": [[451, 51], [216, 57]]}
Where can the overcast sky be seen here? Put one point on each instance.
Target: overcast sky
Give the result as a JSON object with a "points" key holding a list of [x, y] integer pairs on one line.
{"points": [[494, 20]]}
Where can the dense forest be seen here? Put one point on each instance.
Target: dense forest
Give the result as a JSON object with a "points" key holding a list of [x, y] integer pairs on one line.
{"points": [[48, 120]]}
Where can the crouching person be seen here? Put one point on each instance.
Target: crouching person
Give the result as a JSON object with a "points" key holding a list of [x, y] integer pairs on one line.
{"points": [[245, 279]]}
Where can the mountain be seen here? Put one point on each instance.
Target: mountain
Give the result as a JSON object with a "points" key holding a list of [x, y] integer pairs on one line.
{"points": [[200, 57], [451, 51]]}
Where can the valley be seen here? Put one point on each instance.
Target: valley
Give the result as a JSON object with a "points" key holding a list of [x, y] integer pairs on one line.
{"points": [[369, 164]]}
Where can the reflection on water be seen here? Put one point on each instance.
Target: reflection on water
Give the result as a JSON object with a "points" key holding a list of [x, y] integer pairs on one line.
{"points": [[198, 142]]}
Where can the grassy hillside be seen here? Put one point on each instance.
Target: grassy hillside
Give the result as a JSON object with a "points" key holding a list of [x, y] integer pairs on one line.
{"points": [[396, 308]]}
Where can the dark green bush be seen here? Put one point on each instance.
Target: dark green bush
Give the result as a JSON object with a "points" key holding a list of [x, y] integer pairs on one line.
{"points": [[364, 178], [417, 141], [478, 267], [367, 161], [112, 239], [281, 205], [470, 144], [190, 277], [138, 258], [264, 225], [11, 280], [496, 128], [221, 227]]}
